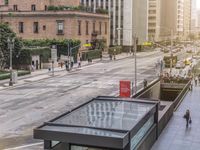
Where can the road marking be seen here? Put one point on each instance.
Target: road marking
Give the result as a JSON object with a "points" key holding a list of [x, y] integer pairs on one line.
{"points": [[24, 146]]}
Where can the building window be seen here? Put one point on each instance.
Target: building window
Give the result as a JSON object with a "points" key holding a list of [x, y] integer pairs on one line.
{"points": [[79, 27], [6, 2], [60, 27], [87, 26], [105, 27], [100, 28], [44, 27], [45, 8], [21, 27], [35, 27], [15, 7], [93, 26], [33, 8]]}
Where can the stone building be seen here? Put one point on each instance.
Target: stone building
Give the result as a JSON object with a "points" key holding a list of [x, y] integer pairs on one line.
{"points": [[33, 20]]}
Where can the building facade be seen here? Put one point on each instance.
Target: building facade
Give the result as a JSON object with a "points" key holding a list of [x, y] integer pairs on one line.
{"points": [[168, 19], [154, 20], [162, 22], [33, 21], [180, 17], [187, 18], [194, 16], [128, 18]]}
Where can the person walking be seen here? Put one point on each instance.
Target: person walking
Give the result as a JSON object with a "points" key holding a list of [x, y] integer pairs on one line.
{"points": [[145, 83], [196, 80], [187, 117], [79, 64], [199, 78]]}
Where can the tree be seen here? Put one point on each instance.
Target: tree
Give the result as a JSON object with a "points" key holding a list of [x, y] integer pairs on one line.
{"points": [[5, 33]]}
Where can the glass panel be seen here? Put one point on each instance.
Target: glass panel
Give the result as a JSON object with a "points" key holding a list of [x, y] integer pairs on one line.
{"points": [[119, 115], [141, 133], [74, 147]]}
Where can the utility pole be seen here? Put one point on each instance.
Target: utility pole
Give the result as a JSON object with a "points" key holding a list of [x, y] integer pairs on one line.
{"points": [[135, 52], [11, 47], [171, 60], [68, 51]]}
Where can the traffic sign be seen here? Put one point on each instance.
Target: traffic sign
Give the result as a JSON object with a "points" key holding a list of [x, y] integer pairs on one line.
{"points": [[125, 88], [54, 54]]}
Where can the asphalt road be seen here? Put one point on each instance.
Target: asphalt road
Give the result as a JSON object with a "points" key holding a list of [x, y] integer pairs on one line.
{"points": [[28, 106]]}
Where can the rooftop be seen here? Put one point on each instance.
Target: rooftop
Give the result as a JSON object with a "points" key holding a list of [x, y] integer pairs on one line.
{"points": [[102, 118]]}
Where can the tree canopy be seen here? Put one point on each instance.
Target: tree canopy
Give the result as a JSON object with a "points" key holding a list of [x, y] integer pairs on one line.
{"points": [[5, 33]]}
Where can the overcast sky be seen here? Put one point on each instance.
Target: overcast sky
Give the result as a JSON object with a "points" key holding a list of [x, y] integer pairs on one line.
{"points": [[198, 4]]}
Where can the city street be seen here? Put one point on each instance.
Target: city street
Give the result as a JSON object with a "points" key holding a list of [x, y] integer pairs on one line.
{"points": [[24, 107]]}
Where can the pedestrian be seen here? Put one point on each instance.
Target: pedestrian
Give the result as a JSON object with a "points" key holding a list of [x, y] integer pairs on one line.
{"points": [[145, 83], [61, 64], [79, 64], [191, 86], [199, 78], [187, 117], [110, 57], [196, 80], [101, 56]]}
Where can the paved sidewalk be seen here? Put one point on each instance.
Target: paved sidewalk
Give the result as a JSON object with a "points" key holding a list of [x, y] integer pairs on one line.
{"points": [[44, 73], [175, 136]]}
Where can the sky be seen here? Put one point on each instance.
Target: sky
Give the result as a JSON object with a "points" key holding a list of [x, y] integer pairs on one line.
{"points": [[198, 4]]}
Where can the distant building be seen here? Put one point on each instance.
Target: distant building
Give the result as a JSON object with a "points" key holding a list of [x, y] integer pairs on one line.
{"points": [[169, 16], [33, 20], [187, 18], [180, 18], [154, 20], [127, 19]]}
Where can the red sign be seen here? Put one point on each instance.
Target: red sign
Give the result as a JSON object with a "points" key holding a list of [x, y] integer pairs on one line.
{"points": [[125, 88]]}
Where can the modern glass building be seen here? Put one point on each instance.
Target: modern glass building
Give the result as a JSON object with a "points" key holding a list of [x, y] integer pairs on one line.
{"points": [[102, 123]]}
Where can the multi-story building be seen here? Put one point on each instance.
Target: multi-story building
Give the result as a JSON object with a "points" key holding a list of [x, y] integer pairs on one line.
{"points": [[180, 21], [194, 18], [135, 23], [154, 20], [187, 18], [168, 19], [162, 22], [34, 20], [127, 19]]}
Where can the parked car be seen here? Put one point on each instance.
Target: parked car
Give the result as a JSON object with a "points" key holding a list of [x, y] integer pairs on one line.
{"points": [[196, 57], [189, 51], [180, 65], [188, 61], [158, 49], [166, 50]]}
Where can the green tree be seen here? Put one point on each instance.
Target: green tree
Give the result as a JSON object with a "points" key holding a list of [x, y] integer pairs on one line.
{"points": [[5, 33]]}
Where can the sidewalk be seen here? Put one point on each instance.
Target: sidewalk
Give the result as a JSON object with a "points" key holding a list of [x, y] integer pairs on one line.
{"points": [[175, 136], [45, 73]]}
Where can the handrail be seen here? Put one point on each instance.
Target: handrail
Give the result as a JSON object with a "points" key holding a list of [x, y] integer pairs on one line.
{"points": [[181, 95]]}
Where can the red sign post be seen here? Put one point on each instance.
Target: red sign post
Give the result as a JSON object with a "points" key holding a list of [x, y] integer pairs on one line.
{"points": [[125, 88]]}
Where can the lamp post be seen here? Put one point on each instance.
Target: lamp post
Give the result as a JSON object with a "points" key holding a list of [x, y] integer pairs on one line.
{"points": [[10, 47]]}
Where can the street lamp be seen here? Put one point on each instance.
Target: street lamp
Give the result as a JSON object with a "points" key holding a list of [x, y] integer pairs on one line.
{"points": [[11, 48]]}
